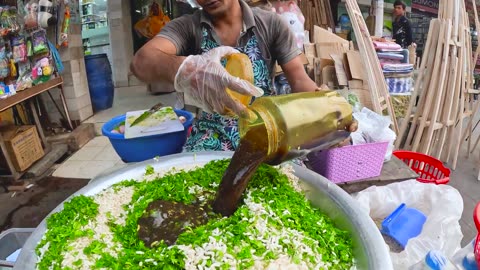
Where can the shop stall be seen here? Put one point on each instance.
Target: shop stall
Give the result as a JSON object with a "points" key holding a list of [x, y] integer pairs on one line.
{"points": [[29, 65]]}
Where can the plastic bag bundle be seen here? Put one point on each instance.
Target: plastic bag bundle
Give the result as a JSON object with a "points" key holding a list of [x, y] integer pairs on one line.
{"points": [[373, 128], [442, 204]]}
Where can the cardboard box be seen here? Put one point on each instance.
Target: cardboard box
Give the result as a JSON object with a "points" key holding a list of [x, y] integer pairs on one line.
{"points": [[23, 145]]}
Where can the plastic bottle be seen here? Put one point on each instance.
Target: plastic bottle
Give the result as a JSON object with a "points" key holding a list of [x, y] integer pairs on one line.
{"points": [[465, 258], [296, 124], [435, 260]]}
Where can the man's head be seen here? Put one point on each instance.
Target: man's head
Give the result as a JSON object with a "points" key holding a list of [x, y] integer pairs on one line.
{"points": [[399, 8], [216, 8]]}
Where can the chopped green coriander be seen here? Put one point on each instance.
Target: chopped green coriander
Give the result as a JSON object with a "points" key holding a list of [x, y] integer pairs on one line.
{"points": [[275, 224]]}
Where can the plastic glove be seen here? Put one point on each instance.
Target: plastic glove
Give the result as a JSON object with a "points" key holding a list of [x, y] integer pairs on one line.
{"points": [[203, 80]]}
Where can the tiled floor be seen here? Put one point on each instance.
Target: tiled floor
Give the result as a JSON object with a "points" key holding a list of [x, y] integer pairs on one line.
{"points": [[94, 158]]}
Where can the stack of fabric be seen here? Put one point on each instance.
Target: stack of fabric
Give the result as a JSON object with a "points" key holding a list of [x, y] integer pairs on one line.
{"points": [[396, 69]]}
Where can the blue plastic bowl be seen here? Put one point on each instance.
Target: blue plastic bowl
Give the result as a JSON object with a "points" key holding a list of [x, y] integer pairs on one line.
{"points": [[143, 148]]}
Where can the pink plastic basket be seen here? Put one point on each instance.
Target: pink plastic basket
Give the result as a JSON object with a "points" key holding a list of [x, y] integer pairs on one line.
{"points": [[349, 163]]}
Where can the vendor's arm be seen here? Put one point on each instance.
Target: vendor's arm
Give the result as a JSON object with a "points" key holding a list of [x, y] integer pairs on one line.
{"points": [[297, 77], [160, 58], [287, 54], [156, 61]]}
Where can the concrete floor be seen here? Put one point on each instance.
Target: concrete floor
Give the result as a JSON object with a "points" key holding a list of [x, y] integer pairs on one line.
{"points": [[464, 178]]}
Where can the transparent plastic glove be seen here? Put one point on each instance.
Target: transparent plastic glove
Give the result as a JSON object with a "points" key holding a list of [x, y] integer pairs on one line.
{"points": [[203, 80]]}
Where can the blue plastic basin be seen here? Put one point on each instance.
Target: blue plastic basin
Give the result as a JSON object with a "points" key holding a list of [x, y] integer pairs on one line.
{"points": [[403, 224], [143, 148]]}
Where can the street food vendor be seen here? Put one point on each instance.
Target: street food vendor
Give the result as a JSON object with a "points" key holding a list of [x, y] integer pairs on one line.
{"points": [[187, 53]]}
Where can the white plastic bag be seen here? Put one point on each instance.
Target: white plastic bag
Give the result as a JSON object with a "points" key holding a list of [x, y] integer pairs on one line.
{"points": [[373, 128], [442, 204]]}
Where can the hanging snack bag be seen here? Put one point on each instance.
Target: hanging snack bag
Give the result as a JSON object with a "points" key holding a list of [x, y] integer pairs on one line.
{"points": [[19, 49], [29, 48], [31, 19], [13, 68], [3, 91], [39, 41], [42, 71], [13, 20], [3, 22], [63, 41], [4, 63], [24, 80]]}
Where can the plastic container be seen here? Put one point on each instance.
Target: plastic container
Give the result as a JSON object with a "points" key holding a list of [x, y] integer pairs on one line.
{"points": [[435, 260], [240, 66], [403, 224], [291, 126], [12, 240], [349, 163], [465, 258], [143, 148], [100, 84], [431, 170]]}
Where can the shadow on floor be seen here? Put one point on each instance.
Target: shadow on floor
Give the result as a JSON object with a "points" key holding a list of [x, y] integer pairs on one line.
{"points": [[27, 209]]}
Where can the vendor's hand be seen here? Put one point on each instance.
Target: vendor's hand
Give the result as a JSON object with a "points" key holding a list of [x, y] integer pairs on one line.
{"points": [[350, 128], [204, 80], [353, 126]]}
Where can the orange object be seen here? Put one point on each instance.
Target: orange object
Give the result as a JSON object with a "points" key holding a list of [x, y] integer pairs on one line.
{"points": [[65, 27], [153, 23], [239, 65]]}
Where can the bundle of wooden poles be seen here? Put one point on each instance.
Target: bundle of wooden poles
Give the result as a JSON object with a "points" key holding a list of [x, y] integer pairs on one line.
{"points": [[442, 98]]}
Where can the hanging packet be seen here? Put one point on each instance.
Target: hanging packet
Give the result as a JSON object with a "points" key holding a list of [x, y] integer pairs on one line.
{"points": [[13, 68], [31, 19], [65, 28], [19, 49], [39, 41], [4, 63], [56, 57], [42, 71], [24, 80], [29, 48]]}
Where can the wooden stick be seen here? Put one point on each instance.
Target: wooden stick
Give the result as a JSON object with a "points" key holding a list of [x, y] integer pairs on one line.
{"points": [[440, 89], [476, 144], [452, 87], [430, 91], [456, 103], [467, 56], [416, 89], [432, 56]]}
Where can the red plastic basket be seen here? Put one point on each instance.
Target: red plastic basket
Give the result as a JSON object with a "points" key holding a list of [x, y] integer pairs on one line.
{"points": [[431, 170]]}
